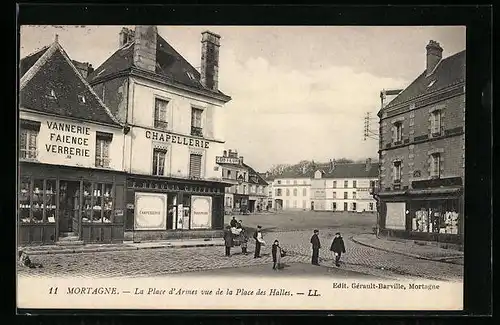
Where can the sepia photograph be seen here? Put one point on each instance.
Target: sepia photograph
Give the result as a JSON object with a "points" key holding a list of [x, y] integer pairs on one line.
{"points": [[202, 167]]}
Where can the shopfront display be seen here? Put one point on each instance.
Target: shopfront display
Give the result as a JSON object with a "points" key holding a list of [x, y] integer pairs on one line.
{"points": [[436, 216], [69, 201]]}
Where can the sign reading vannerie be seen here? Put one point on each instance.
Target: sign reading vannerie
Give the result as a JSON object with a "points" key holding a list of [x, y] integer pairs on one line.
{"points": [[227, 160], [171, 138], [73, 144]]}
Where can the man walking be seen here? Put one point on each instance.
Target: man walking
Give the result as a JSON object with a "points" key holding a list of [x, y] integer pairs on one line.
{"points": [[337, 248], [258, 241], [316, 245]]}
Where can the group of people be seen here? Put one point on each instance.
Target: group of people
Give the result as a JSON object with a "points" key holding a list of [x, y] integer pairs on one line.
{"points": [[235, 229], [337, 247]]}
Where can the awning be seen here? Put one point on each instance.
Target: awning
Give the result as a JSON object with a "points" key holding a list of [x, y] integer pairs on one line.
{"points": [[431, 191]]}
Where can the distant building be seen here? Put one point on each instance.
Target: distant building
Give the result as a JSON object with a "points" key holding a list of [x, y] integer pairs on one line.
{"points": [[291, 190], [248, 190], [422, 153], [344, 187]]}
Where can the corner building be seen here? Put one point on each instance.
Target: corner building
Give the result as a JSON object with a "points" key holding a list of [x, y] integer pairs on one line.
{"points": [[174, 116], [422, 154]]}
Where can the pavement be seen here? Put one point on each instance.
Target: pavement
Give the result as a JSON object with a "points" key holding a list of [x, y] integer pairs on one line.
{"points": [[139, 261], [411, 248]]}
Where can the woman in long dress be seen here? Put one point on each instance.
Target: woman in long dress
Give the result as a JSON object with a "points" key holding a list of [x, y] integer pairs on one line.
{"points": [[276, 252]]}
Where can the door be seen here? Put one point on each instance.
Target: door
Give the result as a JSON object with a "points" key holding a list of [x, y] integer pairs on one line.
{"points": [[69, 194], [345, 206]]}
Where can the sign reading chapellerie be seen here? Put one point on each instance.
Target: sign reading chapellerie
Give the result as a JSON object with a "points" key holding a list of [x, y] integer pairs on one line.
{"points": [[172, 138], [68, 139]]}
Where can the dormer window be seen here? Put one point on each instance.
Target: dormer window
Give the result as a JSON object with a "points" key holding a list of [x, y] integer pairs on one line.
{"points": [[81, 99], [191, 76], [52, 94]]}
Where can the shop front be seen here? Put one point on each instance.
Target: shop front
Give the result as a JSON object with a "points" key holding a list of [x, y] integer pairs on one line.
{"points": [[241, 202], [173, 208], [62, 201], [429, 214]]}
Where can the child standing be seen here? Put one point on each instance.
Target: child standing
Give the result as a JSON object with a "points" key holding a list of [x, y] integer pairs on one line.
{"points": [[276, 252], [337, 248]]}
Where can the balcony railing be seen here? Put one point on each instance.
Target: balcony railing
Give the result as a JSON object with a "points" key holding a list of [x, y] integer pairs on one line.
{"points": [[196, 131], [160, 125], [102, 162]]}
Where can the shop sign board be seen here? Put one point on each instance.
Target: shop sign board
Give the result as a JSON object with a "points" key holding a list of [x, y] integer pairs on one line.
{"points": [[150, 211], [201, 212]]}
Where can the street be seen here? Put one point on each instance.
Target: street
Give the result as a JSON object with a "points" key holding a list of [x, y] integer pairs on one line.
{"points": [[211, 260]]}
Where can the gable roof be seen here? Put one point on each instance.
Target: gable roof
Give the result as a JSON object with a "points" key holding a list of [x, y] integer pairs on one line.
{"points": [[448, 72], [255, 177], [53, 71], [356, 170], [170, 65]]}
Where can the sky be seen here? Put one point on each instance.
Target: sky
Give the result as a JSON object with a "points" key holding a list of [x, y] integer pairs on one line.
{"points": [[298, 92]]}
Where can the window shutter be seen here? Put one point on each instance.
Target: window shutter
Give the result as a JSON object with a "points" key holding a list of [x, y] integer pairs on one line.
{"points": [[195, 165], [393, 134]]}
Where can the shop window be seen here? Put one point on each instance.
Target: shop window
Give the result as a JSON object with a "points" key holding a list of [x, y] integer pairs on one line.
{"points": [[397, 172], [345, 196], [159, 162], [87, 202], [435, 165], [25, 200], [196, 128], [371, 206], [354, 183], [37, 200], [28, 135], [160, 121], [354, 195], [304, 192], [346, 184], [436, 123], [436, 216], [50, 204], [103, 141], [294, 192], [195, 166], [287, 192]]}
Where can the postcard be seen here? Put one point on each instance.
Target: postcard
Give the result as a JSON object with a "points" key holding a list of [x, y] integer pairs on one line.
{"points": [[241, 167]]}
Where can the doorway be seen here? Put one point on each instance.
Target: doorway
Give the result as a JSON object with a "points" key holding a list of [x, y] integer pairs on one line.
{"points": [[69, 197], [345, 207]]}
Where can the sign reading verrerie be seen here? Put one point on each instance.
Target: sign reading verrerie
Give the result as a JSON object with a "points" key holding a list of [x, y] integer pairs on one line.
{"points": [[73, 144]]}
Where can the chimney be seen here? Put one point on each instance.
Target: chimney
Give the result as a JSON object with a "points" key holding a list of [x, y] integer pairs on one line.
{"points": [[434, 55], [368, 164], [126, 36], [224, 153], [209, 71], [145, 47], [241, 160], [84, 68]]}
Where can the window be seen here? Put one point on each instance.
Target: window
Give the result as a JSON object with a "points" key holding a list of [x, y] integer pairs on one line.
{"points": [[81, 98], [278, 192], [279, 182], [159, 162], [27, 144], [397, 172], [436, 123], [228, 174], [294, 192], [345, 196], [245, 189], [346, 184], [334, 206], [196, 129], [103, 140], [435, 165], [354, 195], [334, 195], [354, 184], [304, 192], [160, 114], [294, 182], [371, 206], [334, 184], [397, 132], [372, 184], [354, 207], [287, 192], [195, 166]]}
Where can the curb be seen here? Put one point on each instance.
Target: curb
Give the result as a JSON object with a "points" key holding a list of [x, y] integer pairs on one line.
{"points": [[441, 260], [114, 249]]}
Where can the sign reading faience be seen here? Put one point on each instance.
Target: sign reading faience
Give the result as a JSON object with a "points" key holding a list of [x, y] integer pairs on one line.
{"points": [[172, 138], [68, 139], [227, 160]]}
